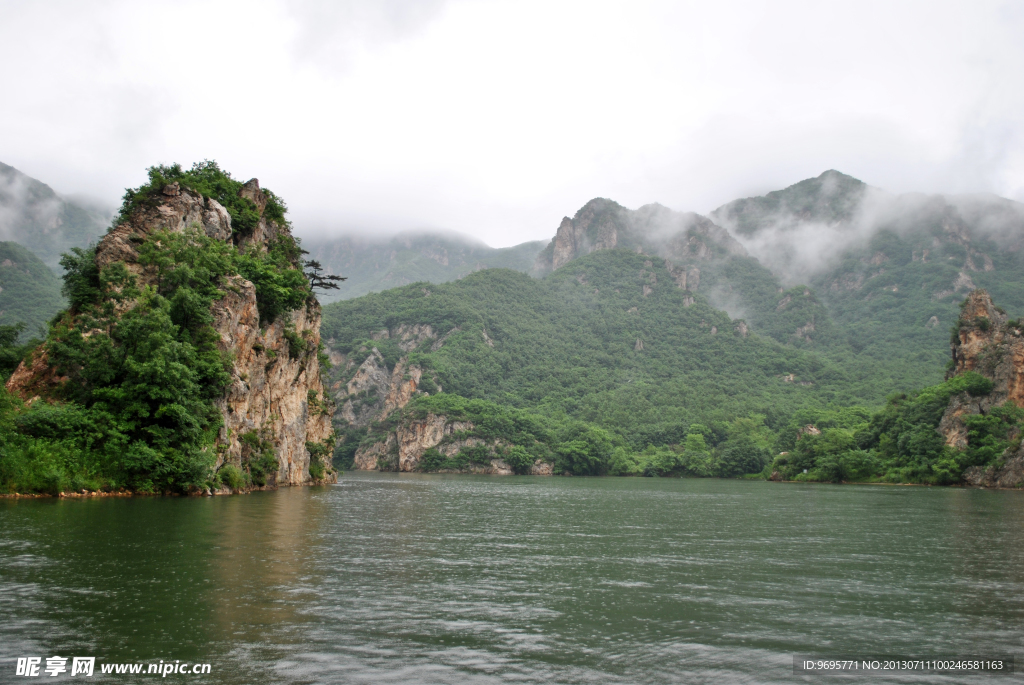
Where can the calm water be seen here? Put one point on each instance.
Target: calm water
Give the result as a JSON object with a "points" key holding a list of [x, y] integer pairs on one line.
{"points": [[458, 579]]}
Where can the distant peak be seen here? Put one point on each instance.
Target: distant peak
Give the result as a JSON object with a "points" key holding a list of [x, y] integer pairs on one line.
{"points": [[832, 173], [598, 204]]}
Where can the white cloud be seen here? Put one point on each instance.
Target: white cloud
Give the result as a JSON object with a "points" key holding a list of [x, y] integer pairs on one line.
{"points": [[497, 118]]}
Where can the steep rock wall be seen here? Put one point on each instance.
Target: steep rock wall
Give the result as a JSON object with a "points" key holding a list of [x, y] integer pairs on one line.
{"points": [[269, 390], [988, 344], [365, 390]]}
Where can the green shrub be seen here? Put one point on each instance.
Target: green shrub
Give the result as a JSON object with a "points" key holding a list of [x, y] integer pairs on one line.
{"points": [[259, 459], [319, 453], [518, 459], [296, 345], [231, 476], [432, 460], [740, 456]]}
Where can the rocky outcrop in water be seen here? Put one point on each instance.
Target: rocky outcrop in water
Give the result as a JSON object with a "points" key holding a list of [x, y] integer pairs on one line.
{"points": [[1008, 473], [274, 393]]}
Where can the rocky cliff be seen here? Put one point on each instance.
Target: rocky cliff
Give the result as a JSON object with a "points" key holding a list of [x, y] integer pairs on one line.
{"points": [[371, 399], [404, 448], [275, 395], [653, 229], [988, 343], [363, 388]]}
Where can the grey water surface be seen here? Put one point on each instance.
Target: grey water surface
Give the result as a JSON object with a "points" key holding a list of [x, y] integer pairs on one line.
{"points": [[388, 578]]}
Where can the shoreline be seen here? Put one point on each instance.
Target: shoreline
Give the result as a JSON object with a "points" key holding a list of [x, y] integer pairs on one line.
{"points": [[128, 493], [226, 492]]}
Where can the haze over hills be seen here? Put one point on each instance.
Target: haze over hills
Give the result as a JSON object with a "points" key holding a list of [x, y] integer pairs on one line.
{"points": [[647, 321], [33, 215], [376, 264]]}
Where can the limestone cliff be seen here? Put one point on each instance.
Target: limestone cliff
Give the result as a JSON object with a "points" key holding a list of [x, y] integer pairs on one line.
{"points": [[989, 344], [274, 393], [403, 449], [365, 390]]}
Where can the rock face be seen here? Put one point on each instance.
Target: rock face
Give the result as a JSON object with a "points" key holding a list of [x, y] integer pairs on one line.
{"points": [[366, 393], [992, 346], [1008, 475], [402, 448], [988, 344], [371, 392], [179, 210], [270, 390]]}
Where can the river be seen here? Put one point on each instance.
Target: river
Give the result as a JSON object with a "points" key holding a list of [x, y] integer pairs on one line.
{"points": [[387, 578]]}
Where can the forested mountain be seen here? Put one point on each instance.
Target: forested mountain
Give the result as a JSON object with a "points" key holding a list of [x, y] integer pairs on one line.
{"points": [[29, 290], [809, 305], [701, 257], [373, 265], [34, 216], [611, 342]]}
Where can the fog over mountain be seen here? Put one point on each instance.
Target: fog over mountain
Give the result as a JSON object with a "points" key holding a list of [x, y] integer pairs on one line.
{"points": [[803, 230]]}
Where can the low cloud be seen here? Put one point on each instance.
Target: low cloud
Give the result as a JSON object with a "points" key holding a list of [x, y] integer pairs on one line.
{"points": [[497, 118]]}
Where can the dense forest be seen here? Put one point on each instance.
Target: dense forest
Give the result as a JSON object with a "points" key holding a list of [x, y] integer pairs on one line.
{"points": [[599, 372]]}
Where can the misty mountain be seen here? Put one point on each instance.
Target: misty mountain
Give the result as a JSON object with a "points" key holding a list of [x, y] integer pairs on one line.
{"points": [[701, 257], [890, 269], [29, 290], [33, 215], [373, 265]]}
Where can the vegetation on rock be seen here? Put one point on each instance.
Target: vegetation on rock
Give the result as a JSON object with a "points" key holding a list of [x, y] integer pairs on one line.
{"points": [[134, 365]]}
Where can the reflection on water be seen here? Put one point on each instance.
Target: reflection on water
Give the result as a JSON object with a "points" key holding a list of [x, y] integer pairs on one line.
{"points": [[434, 579]]}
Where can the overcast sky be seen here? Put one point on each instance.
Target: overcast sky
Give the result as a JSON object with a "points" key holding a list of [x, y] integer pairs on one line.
{"points": [[497, 118]]}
